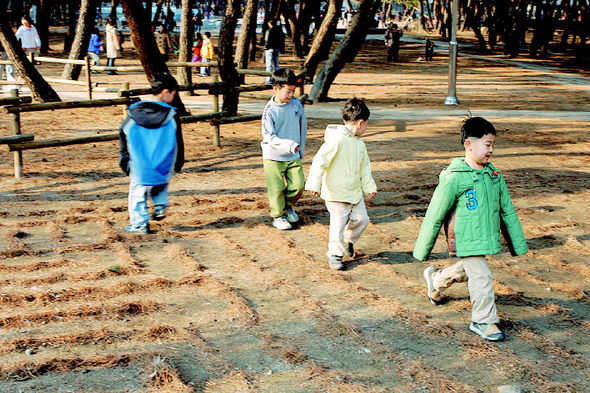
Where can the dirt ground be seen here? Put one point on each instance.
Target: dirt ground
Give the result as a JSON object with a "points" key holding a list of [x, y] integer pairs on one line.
{"points": [[217, 300]]}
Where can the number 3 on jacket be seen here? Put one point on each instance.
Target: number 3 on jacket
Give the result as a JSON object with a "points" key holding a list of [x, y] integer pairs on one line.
{"points": [[471, 199]]}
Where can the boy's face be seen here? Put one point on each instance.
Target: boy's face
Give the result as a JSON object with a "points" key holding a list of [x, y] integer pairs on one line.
{"points": [[168, 96], [283, 94], [479, 151]]}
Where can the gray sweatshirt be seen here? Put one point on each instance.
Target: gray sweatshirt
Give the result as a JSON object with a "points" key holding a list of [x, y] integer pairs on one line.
{"points": [[284, 127]]}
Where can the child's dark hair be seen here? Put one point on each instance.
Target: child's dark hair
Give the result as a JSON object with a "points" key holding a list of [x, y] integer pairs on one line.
{"points": [[284, 76], [207, 34], [163, 81], [355, 109], [476, 127]]}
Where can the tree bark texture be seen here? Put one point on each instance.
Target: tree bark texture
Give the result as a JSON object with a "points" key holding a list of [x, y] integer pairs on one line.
{"points": [[185, 41], [42, 25], [320, 47], [347, 49], [247, 33], [81, 39], [227, 70], [40, 89], [144, 42]]}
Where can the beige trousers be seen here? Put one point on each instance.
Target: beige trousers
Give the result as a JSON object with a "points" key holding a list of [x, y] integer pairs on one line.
{"points": [[477, 273], [347, 223]]}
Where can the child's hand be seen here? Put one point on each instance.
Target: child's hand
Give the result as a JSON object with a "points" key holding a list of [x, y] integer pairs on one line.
{"points": [[314, 193], [371, 195]]}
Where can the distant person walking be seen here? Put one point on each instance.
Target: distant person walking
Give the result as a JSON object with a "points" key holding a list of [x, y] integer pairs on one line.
{"points": [[28, 36], [274, 44], [207, 53], [94, 47], [197, 46], [163, 41], [392, 39], [112, 43], [198, 22], [428, 49]]}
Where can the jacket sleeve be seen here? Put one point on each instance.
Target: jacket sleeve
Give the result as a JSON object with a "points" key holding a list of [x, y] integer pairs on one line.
{"points": [[367, 181], [123, 151], [179, 163], [269, 135], [321, 161], [510, 226], [442, 202]]}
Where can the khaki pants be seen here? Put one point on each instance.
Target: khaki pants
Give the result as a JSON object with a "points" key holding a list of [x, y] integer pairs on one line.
{"points": [[477, 273], [347, 223]]}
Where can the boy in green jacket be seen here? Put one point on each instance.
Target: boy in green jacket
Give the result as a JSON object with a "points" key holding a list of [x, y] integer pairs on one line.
{"points": [[473, 203]]}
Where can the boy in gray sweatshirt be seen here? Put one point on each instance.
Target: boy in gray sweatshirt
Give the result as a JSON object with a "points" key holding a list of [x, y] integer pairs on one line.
{"points": [[284, 128]]}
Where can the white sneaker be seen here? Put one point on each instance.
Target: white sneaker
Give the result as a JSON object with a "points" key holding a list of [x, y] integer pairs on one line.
{"points": [[281, 223], [292, 217]]}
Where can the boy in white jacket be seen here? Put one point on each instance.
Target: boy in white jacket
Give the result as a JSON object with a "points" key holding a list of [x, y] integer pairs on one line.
{"points": [[342, 170]]}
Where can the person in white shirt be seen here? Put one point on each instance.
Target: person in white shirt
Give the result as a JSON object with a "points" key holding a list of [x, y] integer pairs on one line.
{"points": [[28, 36]]}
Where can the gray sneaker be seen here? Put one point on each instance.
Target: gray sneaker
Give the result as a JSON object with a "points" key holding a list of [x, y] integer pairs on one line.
{"points": [[433, 294], [145, 229], [292, 217], [336, 262], [281, 223]]}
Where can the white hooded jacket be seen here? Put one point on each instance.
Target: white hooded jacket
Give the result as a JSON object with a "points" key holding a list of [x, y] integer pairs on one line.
{"points": [[341, 168]]}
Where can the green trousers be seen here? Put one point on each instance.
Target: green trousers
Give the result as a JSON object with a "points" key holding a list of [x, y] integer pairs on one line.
{"points": [[285, 184]]}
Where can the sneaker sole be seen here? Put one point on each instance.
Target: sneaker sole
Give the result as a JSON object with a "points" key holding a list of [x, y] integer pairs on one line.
{"points": [[489, 338]]}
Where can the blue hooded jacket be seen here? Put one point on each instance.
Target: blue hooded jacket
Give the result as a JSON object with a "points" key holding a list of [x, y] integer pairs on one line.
{"points": [[151, 142]]}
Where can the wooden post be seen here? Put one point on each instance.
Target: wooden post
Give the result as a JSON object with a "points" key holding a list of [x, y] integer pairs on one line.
{"points": [[216, 137], [18, 155], [125, 88], [88, 78]]}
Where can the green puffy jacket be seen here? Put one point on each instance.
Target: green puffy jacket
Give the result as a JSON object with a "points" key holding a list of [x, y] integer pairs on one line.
{"points": [[475, 206]]}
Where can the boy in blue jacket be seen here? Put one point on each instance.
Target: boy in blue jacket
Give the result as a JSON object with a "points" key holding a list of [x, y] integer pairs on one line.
{"points": [[151, 147], [473, 203]]}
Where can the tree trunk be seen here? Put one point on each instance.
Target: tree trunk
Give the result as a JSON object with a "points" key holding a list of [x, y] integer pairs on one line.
{"points": [[148, 9], [43, 13], [71, 36], [347, 49], [227, 70], [185, 41], [320, 48], [158, 12], [113, 13], [295, 26], [40, 89], [145, 44], [303, 23], [247, 32], [81, 40]]}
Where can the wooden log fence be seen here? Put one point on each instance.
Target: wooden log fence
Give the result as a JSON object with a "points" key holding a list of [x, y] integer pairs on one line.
{"points": [[19, 142], [16, 105], [6, 140]]}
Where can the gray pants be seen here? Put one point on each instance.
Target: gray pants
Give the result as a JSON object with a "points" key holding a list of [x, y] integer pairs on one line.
{"points": [[138, 194], [477, 273]]}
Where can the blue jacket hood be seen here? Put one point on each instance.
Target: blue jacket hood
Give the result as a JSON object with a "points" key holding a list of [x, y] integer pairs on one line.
{"points": [[149, 114]]}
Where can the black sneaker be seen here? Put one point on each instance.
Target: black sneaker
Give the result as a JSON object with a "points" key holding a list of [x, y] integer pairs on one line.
{"points": [[350, 250], [159, 214]]}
